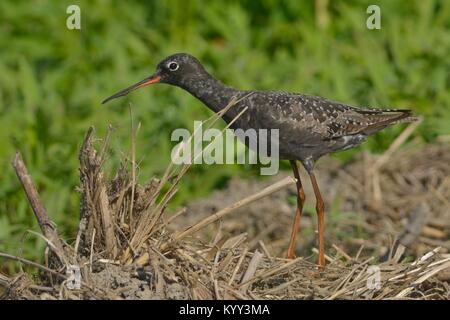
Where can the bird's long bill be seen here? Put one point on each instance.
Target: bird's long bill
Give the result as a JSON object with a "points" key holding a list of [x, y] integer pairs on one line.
{"points": [[140, 84]]}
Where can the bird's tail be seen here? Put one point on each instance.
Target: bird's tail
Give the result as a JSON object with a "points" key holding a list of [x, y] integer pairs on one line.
{"points": [[380, 119]]}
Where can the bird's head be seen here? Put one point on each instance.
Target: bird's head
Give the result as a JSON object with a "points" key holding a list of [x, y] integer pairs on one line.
{"points": [[178, 69]]}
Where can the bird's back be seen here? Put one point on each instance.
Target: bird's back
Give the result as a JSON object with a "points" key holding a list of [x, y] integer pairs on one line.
{"points": [[312, 126]]}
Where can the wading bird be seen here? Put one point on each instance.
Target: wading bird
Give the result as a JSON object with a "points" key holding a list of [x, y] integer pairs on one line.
{"points": [[309, 127]]}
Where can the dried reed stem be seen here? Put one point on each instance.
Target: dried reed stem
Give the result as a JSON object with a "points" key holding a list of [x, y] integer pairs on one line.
{"points": [[46, 225]]}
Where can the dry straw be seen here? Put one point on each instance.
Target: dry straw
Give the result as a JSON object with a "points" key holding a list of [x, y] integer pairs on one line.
{"points": [[125, 250]]}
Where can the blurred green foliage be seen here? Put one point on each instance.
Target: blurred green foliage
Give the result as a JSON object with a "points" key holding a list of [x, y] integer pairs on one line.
{"points": [[52, 80]]}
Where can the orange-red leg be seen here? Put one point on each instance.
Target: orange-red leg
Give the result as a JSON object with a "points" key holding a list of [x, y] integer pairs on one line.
{"points": [[320, 217], [298, 212]]}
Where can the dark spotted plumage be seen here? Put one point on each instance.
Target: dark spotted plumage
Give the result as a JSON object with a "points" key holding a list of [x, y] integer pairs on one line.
{"points": [[309, 127]]}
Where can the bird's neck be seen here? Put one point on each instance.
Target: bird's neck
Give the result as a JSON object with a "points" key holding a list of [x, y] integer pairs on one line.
{"points": [[213, 93]]}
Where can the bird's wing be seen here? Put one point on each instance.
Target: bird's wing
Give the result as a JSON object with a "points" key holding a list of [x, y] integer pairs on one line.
{"points": [[332, 120]]}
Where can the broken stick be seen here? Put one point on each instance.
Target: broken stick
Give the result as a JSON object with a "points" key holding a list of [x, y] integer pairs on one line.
{"points": [[44, 221]]}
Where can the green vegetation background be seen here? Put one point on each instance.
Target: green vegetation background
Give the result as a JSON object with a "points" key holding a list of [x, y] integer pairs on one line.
{"points": [[52, 80]]}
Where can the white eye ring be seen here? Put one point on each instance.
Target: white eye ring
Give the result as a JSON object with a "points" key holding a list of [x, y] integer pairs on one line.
{"points": [[173, 66]]}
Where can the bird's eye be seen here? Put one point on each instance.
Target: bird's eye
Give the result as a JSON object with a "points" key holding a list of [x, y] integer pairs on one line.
{"points": [[173, 66]]}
